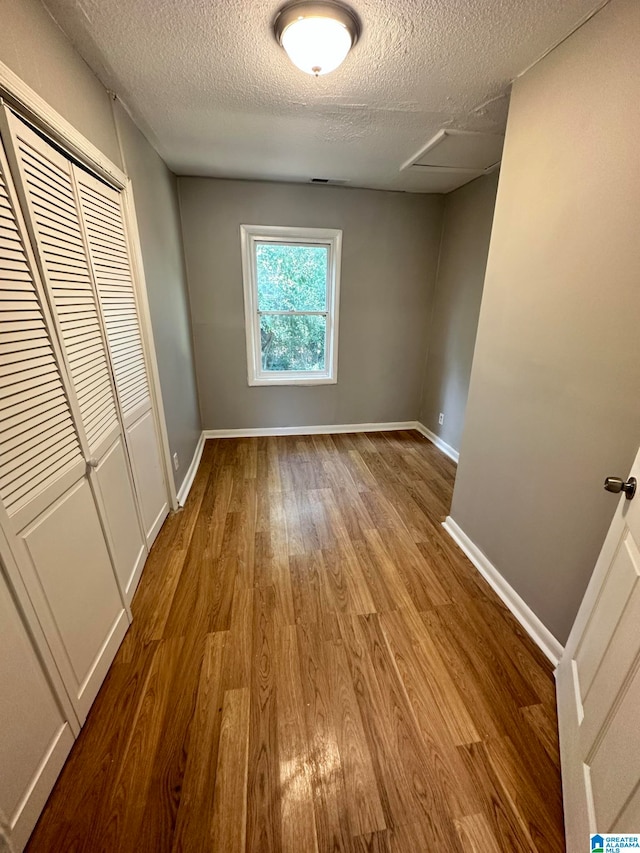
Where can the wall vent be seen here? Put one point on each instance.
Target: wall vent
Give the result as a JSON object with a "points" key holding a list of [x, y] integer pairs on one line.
{"points": [[332, 181]]}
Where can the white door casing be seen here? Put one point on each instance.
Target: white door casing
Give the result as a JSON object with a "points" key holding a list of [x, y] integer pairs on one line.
{"points": [[598, 685]]}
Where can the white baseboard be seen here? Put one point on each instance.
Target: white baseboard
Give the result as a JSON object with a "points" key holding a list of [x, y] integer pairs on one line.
{"points": [[538, 632], [323, 429], [451, 452], [185, 488]]}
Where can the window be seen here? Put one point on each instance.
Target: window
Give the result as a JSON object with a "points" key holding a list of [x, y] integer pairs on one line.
{"points": [[291, 290]]}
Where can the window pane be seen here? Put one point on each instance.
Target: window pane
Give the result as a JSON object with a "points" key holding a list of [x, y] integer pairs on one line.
{"points": [[291, 278], [293, 343]]}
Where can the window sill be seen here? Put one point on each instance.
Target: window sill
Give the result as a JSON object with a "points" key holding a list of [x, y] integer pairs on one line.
{"points": [[262, 381]]}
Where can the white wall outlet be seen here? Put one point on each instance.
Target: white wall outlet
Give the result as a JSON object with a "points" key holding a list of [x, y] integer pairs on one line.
{"points": [[441, 418], [176, 462]]}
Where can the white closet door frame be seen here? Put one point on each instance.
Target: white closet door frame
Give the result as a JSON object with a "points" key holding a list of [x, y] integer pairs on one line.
{"points": [[27, 103]]}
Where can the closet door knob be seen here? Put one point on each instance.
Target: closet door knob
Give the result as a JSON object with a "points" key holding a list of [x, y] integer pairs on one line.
{"points": [[617, 485], [92, 463]]}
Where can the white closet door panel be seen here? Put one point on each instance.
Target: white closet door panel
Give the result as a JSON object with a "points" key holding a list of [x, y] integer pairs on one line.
{"points": [[35, 738], [108, 247], [70, 560], [147, 469], [129, 549], [106, 238], [47, 181], [38, 441]]}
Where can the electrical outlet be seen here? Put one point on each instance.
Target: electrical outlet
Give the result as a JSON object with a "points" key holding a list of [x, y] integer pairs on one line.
{"points": [[441, 418], [176, 461]]}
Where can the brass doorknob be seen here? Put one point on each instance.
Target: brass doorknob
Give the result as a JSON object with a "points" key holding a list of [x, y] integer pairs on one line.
{"points": [[617, 485]]}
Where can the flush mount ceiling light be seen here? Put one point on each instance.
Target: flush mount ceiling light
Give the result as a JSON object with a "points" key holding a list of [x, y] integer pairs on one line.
{"points": [[317, 36]]}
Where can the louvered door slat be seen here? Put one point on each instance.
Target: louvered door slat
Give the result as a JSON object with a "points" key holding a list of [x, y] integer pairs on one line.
{"points": [[108, 253], [34, 412], [8, 244], [34, 425], [11, 369], [38, 440], [108, 239], [83, 348], [23, 381], [10, 357], [41, 167], [23, 406], [9, 287], [48, 182], [102, 215], [103, 221], [48, 185], [21, 490], [12, 340], [46, 445]]}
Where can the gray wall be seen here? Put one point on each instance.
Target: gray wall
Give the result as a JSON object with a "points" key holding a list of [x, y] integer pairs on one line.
{"points": [[554, 402], [468, 214], [390, 249], [35, 48], [156, 200]]}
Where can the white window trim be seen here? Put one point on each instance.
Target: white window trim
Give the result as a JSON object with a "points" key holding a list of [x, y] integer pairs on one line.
{"points": [[330, 237]]}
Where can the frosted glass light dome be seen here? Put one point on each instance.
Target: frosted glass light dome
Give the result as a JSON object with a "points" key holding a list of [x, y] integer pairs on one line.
{"points": [[317, 36]]}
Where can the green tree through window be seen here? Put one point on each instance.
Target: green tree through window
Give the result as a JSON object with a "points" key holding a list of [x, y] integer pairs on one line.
{"points": [[292, 278]]}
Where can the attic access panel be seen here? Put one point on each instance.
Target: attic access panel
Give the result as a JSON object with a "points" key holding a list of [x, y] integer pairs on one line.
{"points": [[459, 149]]}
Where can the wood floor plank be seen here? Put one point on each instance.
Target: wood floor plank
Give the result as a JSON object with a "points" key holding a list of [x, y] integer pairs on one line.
{"points": [[229, 830], [376, 842], [296, 797], [315, 666], [398, 803], [426, 777], [532, 796], [327, 777], [434, 718], [363, 805], [263, 785], [543, 723], [476, 835], [193, 821], [507, 824], [127, 817]]}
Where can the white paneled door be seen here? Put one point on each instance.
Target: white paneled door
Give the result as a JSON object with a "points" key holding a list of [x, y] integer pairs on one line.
{"points": [[50, 193], [47, 506], [598, 683]]}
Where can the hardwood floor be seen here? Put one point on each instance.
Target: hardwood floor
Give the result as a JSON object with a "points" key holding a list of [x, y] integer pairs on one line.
{"points": [[314, 666]]}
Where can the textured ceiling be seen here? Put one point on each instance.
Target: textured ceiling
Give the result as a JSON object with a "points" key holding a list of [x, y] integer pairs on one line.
{"points": [[213, 91]]}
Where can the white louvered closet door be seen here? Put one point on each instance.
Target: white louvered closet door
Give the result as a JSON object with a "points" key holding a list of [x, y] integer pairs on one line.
{"points": [[47, 507], [50, 193], [103, 218]]}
